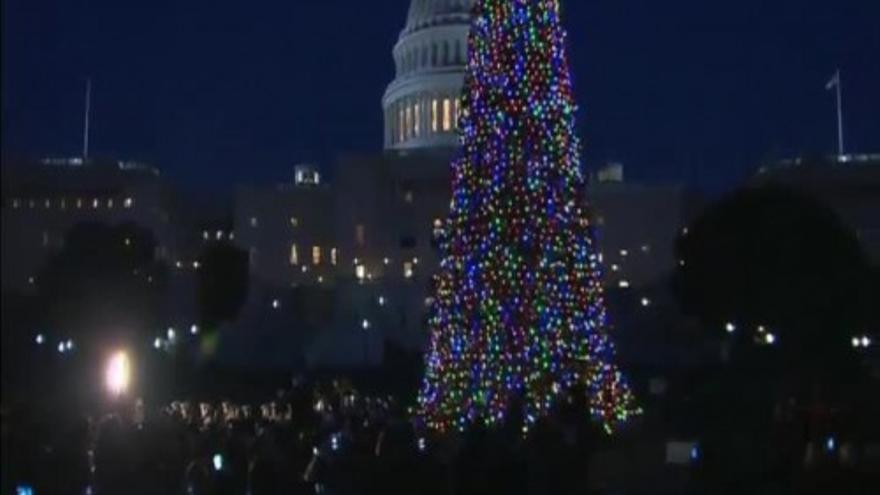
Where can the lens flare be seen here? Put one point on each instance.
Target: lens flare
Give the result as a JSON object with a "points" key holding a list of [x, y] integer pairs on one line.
{"points": [[118, 373]]}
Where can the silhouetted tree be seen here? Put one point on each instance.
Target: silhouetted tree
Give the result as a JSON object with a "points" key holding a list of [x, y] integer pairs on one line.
{"points": [[775, 258], [222, 283], [105, 283]]}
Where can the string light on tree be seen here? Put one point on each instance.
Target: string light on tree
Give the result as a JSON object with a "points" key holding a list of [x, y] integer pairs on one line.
{"points": [[518, 309]]}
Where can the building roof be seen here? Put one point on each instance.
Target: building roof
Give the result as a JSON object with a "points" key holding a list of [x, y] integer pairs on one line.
{"points": [[427, 13]]}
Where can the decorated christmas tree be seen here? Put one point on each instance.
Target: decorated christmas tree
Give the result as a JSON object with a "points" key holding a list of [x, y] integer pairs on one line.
{"points": [[518, 313]]}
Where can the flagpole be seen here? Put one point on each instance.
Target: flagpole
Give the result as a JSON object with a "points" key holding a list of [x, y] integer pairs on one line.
{"points": [[840, 148], [86, 119]]}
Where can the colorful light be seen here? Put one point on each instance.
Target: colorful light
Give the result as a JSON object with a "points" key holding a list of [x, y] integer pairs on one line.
{"points": [[518, 307]]}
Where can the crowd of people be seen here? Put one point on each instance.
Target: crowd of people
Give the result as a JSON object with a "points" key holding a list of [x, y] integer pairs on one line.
{"points": [[322, 439]]}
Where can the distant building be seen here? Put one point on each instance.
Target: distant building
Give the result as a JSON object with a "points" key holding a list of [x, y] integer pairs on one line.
{"points": [[850, 185], [43, 200], [637, 226], [288, 230], [421, 104]]}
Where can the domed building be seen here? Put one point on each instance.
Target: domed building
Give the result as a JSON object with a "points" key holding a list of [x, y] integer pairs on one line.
{"points": [[421, 104]]}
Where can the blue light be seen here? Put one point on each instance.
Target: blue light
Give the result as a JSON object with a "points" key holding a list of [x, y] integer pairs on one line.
{"points": [[218, 462], [830, 444], [695, 453], [24, 490]]}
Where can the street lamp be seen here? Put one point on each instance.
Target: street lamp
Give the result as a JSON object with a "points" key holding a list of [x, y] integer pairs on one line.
{"points": [[118, 374]]}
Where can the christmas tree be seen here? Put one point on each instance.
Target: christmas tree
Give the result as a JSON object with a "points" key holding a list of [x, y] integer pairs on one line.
{"points": [[518, 313]]}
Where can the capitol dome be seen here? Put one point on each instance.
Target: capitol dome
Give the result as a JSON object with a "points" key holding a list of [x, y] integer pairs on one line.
{"points": [[422, 102]]}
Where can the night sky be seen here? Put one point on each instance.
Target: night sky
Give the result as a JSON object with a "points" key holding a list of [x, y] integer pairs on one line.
{"points": [[221, 91]]}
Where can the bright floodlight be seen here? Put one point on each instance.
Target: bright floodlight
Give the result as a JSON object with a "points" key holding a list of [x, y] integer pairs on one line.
{"points": [[770, 339], [730, 327], [866, 341], [118, 373]]}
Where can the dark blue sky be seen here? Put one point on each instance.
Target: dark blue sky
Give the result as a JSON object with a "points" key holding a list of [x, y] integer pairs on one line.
{"points": [[222, 91]]}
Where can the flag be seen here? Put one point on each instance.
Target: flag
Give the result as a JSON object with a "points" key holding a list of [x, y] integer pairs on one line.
{"points": [[834, 82]]}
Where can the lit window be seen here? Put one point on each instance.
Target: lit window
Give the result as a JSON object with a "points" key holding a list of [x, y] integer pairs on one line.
{"points": [[417, 119], [624, 253], [63, 204], [95, 203], [408, 270], [333, 256], [447, 114], [79, 203], [360, 272], [31, 203], [48, 204], [435, 115], [408, 120], [316, 255], [294, 222], [205, 235], [254, 222], [219, 235], [110, 203], [646, 248], [408, 196], [360, 234], [294, 255], [623, 284], [45, 238], [128, 202], [16, 203], [401, 129]]}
